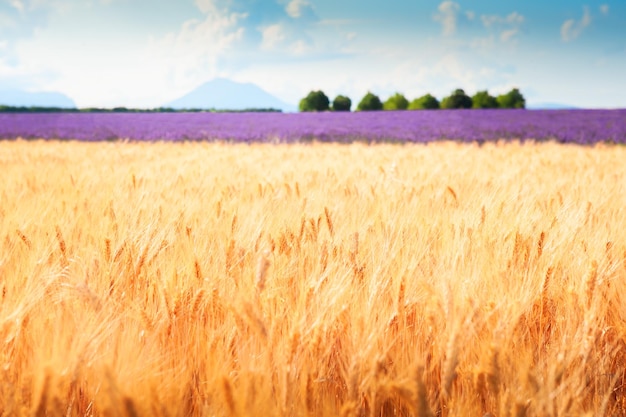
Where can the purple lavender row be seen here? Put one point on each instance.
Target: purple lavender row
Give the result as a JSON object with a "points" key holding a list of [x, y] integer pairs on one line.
{"points": [[571, 126]]}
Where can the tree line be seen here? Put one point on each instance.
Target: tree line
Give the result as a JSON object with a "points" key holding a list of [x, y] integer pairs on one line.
{"points": [[458, 99], [47, 109]]}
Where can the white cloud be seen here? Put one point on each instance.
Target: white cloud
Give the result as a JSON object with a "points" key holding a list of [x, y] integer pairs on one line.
{"points": [[118, 69], [586, 18], [508, 26], [273, 36], [485, 43], [283, 38], [507, 35], [571, 29], [512, 19], [515, 18], [299, 48], [604, 9], [470, 15], [568, 30], [295, 8], [196, 49], [206, 6], [6, 21], [456, 71], [29, 5], [447, 16], [337, 22], [17, 4], [489, 20], [280, 26]]}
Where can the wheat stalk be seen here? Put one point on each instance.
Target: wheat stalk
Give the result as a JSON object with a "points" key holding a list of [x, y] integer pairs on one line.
{"points": [[227, 391], [61, 241], [261, 271], [590, 281], [329, 222], [422, 406], [24, 239], [540, 243], [450, 363]]}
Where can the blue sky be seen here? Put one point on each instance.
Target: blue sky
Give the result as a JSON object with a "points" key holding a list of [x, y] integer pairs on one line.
{"points": [[143, 53]]}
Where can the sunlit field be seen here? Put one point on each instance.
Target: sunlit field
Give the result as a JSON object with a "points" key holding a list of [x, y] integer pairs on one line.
{"points": [[205, 279]]}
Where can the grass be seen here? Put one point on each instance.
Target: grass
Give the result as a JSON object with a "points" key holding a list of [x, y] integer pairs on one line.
{"points": [[205, 279]]}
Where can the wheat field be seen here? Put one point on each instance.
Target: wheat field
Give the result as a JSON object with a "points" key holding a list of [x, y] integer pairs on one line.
{"points": [[207, 279]]}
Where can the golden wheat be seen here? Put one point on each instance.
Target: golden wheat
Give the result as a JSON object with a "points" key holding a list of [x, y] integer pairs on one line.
{"points": [[206, 279]]}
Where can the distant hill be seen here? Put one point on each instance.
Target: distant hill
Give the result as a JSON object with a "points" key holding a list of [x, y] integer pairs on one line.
{"points": [[35, 99], [550, 106], [224, 94]]}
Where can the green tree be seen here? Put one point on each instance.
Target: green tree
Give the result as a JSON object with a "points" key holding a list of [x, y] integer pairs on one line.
{"points": [[484, 100], [512, 100], [396, 102], [314, 101], [457, 100], [342, 103], [425, 102], [370, 102]]}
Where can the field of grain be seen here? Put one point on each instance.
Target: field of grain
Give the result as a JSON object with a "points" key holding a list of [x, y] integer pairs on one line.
{"points": [[203, 279]]}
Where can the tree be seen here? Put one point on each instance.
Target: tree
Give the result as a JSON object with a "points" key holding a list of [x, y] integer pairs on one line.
{"points": [[425, 102], [314, 101], [484, 100], [370, 102], [396, 102], [342, 103], [512, 100], [457, 100]]}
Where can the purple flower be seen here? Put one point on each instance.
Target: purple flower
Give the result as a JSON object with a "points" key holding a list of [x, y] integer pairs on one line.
{"points": [[571, 126]]}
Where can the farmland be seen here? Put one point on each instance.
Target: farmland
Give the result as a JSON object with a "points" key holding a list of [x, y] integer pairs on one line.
{"points": [[566, 126], [213, 279]]}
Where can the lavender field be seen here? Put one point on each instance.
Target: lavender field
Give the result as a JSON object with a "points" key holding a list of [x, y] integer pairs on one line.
{"points": [[568, 126]]}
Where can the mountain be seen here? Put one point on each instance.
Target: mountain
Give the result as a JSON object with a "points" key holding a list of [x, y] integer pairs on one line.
{"points": [[224, 94], [550, 106], [35, 99]]}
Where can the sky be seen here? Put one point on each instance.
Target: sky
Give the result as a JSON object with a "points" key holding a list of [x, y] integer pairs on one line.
{"points": [[144, 53]]}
